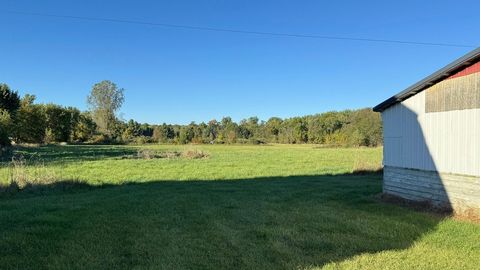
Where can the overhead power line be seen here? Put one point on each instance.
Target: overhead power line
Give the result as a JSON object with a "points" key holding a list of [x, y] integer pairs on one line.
{"points": [[238, 31]]}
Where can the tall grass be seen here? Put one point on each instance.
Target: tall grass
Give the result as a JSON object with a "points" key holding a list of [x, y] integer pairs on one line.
{"points": [[21, 172]]}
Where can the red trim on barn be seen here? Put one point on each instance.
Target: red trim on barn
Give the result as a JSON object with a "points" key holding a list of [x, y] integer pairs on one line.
{"points": [[475, 68]]}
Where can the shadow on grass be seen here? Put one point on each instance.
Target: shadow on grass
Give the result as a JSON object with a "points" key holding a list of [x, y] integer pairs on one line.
{"points": [[70, 153], [275, 223]]}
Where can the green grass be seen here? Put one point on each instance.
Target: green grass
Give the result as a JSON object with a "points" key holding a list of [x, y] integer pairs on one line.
{"points": [[106, 164], [244, 207]]}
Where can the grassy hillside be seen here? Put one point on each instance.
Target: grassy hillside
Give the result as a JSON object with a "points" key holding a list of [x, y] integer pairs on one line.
{"points": [[269, 207]]}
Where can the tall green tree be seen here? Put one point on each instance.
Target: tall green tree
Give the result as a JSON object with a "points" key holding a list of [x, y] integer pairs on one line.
{"points": [[5, 125], [84, 128], [30, 121], [9, 99], [105, 100], [133, 129], [163, 133], [273, 127], [60, 122]]}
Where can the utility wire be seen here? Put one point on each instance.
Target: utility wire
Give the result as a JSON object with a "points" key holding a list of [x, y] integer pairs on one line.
{"points": [[214, 29]]}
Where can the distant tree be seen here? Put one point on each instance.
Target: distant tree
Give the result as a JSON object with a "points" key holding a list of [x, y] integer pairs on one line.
{"points": [[27, 100], [273, 127], [364, 128], [252, 124], [105, 100], [30, 122], [5, 125], [132, 130], [229, 130], [146, 130], [60, 122], [9, 100], [163, 133], [158, 135], [186, 134], [204, 131], [84, 128], [212, 129], [244, 130]]}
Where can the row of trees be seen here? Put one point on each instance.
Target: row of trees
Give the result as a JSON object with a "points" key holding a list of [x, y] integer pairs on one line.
{"points": [[346, 128], [21, 120], [24, 121]]}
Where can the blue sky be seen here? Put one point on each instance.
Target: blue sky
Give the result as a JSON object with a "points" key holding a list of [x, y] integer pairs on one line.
{"points": [[178, 76]]}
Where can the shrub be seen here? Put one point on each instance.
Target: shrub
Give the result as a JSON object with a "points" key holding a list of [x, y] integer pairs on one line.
{"points": [[256, 141], [195, 154], [153, 154], [142, 140], [146, 154]]}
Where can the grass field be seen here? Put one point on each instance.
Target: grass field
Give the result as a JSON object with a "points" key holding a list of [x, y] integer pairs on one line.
{"points": [[243, 207]]}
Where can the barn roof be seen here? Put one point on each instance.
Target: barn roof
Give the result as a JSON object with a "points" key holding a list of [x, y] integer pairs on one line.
{"points": [[436, 77]]}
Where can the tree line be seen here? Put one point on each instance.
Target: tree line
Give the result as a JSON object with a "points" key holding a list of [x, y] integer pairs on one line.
{"points": [[24, 121]]}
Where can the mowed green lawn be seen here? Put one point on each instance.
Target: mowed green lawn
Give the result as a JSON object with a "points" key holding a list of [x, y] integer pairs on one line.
{"points": [[243, 207]]}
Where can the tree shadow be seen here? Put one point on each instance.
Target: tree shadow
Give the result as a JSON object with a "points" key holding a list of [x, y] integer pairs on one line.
{"points": [[274, 222], [70, 153]]}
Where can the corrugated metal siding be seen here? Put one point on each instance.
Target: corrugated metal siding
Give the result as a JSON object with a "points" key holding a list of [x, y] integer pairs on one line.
{"points": [[461, 93], [447, 142]]}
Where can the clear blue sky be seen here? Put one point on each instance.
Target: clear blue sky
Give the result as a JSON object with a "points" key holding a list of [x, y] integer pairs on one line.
{"points": [[178, 75]]}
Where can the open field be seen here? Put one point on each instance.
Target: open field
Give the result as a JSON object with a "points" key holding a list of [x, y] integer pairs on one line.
{"points": [[243, 207], [116, 164]]}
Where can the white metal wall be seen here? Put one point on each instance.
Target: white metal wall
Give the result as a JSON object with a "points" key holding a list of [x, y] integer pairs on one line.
{"points": [[447, 142]]}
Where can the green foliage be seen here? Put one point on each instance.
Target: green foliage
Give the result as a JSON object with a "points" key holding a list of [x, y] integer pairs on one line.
{"points": [[272, 128], [30, 122], [60, 122], [365, 128], [9, 100], [104, 101], [163, 133], [186, 134], [27, 122], [5, 126], [9, 104], [346, 128], [132, 129], [84, 128], [101, 125]]}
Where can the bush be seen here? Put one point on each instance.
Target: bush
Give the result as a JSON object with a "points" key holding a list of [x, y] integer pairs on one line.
{"points": [[256, 141], [142, 140], [195, 154], [147, 154], [100, 139], [188, 154]]}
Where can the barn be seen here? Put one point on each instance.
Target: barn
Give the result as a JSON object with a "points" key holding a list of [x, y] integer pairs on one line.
{"points": [[432, 138]]}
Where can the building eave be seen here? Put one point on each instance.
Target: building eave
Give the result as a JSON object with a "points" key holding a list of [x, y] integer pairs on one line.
{"points": [[436, 77]]}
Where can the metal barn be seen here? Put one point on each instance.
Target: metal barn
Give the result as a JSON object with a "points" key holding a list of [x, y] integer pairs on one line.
{"points": [[432, 138]]}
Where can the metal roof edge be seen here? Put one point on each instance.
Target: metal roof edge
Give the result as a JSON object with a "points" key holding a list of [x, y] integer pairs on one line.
{"points": [[436, 77]]}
